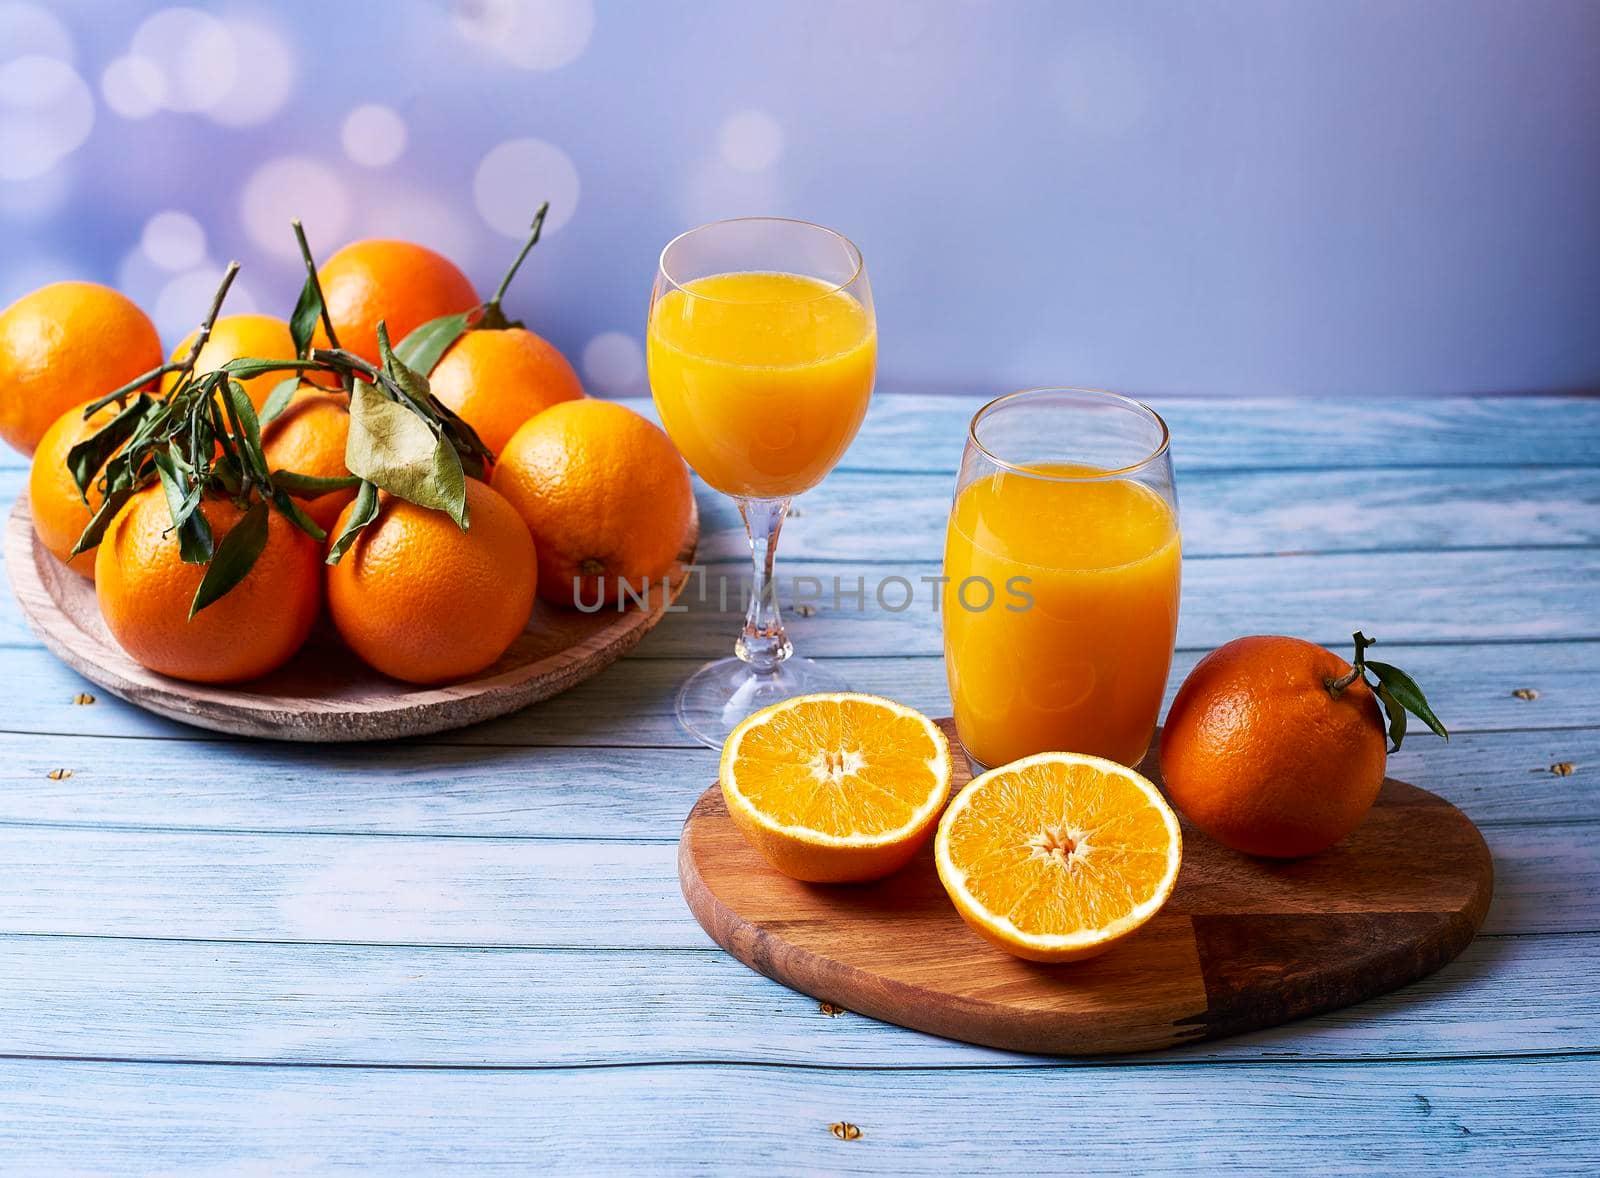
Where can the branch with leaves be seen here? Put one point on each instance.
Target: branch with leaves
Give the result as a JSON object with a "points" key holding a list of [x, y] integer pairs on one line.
{"points": [[203, 437], [1397, 691]]}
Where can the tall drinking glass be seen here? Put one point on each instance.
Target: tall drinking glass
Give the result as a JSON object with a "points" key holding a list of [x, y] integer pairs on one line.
{"points": [[762, 350], [1063, 556]]}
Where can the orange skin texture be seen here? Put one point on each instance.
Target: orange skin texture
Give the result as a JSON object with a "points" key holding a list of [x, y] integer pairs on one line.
{"points": [[1258, 754], [65, 344], [402, 284], [261, 337], [145, 591], [59, 512], [309, 438], [422, 601], [496, 380], [605, 494]]}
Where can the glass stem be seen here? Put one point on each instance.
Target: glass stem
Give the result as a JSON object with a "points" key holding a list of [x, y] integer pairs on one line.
{"points": [[763, 644]]}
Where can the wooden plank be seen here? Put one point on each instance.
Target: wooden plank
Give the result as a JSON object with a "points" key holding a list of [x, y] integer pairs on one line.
{"points": [[1411, 1118], [498, 891], [917, 432], [902, 516], [1498, 778], [926, 433], [631, 705], [1430, 597], [1224, 513], [259, 1003]]}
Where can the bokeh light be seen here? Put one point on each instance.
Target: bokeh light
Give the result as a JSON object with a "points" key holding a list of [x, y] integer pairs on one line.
{"points": [[28, 30], [529, 34], [133, 87], [613, 363], [514, 177], [295, 186], [173, 240], [195, 53], [264, 80], [46, 112], [373, 135]]}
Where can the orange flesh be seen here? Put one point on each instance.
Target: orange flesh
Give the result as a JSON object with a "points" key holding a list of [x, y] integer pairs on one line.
{"points": [[840, 768], [1055, 848]]}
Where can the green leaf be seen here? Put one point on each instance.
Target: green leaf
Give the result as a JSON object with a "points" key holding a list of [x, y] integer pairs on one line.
{"points": [[293, 512], [394, 447], [244, 417], [195, 544], [86, 458], [362, 514], [303, 323], [306, 484], [278, 400], [424, 346], [1403, 689], [246, 367], [92, 535], [235, 557], [1397, 718], [137, 385]]}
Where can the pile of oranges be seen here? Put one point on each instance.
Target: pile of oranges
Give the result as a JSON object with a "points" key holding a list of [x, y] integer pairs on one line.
{"points": [[581, 495]]}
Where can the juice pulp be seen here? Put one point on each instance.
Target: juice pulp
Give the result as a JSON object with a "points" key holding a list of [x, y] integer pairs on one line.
{"points": [[761, 379], [1083, 667]]}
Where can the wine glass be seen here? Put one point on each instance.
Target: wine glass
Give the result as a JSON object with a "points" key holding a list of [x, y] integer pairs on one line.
{"points": [[762, 352]]}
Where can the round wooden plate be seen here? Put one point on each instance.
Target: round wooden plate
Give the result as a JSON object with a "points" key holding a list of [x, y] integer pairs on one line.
{"points": [[1243, 943], [325, 693]]}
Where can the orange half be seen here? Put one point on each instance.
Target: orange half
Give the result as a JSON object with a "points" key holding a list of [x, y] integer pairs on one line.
{"points": [[1058, 856], [836, 788]]}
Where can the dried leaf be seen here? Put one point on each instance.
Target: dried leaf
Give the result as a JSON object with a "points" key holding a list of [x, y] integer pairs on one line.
{"points": [[394, 447], [844, 1130]]}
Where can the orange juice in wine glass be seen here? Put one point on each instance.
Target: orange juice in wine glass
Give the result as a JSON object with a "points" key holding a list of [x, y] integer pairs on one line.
{"points": [[762, 349], [761, 378], [1063, 566]]}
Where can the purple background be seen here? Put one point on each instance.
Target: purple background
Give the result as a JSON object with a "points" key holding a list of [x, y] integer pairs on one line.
{"points": [[1317, 197]]}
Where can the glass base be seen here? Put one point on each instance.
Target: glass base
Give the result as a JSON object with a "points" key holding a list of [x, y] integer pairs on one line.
{"points": [[715, 698]]}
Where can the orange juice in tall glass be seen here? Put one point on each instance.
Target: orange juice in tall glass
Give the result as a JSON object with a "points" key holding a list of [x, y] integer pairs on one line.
{"points": [[1062, 561]]}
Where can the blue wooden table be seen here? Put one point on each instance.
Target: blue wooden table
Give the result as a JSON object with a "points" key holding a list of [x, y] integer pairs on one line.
{"points": [[471, 950]]}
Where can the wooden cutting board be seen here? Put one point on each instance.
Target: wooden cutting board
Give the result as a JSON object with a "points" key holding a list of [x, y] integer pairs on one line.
{"points": [[1243, 943]]}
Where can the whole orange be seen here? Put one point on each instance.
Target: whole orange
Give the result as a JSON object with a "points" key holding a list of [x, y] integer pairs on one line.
{"points": [[421, 600], [145, 591], [496, 380], [403, 284], [65, 344], [309, 438], [59, 511], [605, 494], [232, 337], [1264, 757]]}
